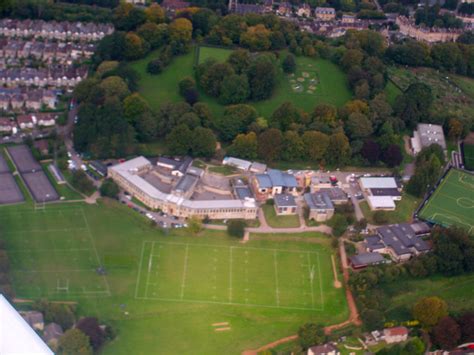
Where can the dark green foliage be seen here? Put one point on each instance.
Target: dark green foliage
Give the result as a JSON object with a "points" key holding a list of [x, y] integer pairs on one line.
{"points": [[236, 228], [90, 327], [414, 105], [311, 334], [289, 63], [339, 224], [428, 166], [155, 66], [81, 182], [392, 156], [109, 189], [62, 314], [446, 334]]}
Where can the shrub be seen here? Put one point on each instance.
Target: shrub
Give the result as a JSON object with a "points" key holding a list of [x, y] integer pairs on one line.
{"points": [[236, 228]]}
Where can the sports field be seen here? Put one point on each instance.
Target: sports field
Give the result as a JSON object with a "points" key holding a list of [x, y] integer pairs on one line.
{"points": [[205, 294], [52, 253], [468, 155], [262, 277], [453, 201]]}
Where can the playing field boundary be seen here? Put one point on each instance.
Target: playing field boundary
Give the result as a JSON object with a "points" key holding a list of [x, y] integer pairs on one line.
{"points": [[147, 266]]}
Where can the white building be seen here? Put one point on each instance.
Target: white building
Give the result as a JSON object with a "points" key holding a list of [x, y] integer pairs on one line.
{"points": [[427, 134], [381, 203], [237, 163]]}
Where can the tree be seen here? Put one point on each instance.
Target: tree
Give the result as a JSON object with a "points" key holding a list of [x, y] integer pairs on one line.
{"points": [[180, 32], [466, 322], [392, 156], [414, 105], [90, 327], [339, 150], [194, 225], [293, 146], [454, 250], [339, 224], [234, 89], [239, 60], [109, 188], [105, 67], [235, 120], [311, 334], [371, 151], [155, 13], [351, 58], [212, 78], [262, 76], [373, 319], [284, 116], [256, 38], [155, 66], [236, 228], [447, 333], [315, 145], [427, 170], [81, 182], [289, 63], [186, 84], [429, 310], [358, 126], [270, 144], [127, 17], [203, 143], [134, 106], [455, 129], [179, 140], [74, 342], [155, 35], [114, 86], [135, 46], [244, 146]]}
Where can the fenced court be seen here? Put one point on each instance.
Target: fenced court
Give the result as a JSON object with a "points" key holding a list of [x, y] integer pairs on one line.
{"points": [[452, 203], [233, 275], [52, 253]]}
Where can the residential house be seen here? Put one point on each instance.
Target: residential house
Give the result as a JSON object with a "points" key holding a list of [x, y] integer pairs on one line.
{"points": [[173, 6], [243, 9], [395, 335], [34, 319], [273, 182], [4, 102], [284, 204], [348, 19], [26, 121], [51, 334], [400, 241], [284, 9], [325, 13], [319, 205], [34, 100], [325, 349], [8, 126], [425, 135], [407, 27], [17, 101], [45, 119], [304, 10], [268, 4]]}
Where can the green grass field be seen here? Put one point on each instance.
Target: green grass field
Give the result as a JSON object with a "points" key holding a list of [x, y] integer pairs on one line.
{"points": [[262, 289], [468, 156], [453, 201], [275, 221], [328, 81]]}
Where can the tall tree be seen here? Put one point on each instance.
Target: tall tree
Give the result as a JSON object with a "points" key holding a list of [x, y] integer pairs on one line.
{"points": [[244, 146], [270, 144], [447, 333], [90, 327], [339, 150], [311, 334], [74, 342], [429, 310], [415, 104], [203, 142], [315, 145]]}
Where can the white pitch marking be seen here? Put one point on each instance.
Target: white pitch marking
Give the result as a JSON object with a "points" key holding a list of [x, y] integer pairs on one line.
{"points": [[184, 270], [311, 277], [277, 292]]}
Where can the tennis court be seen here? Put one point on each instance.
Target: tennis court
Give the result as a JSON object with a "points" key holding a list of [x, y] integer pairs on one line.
{"points": [[452, 203]]}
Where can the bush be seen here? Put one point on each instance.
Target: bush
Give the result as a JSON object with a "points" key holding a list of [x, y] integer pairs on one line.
{"points": [[109, 189], [236, 228], [90, 327], [81, 182], [155, 67]]}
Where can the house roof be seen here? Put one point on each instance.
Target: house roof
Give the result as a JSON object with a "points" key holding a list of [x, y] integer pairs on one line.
{"points": [[395, 331], [335, 193], [374, 242], [186, 183], [16, 336], [392, 192], [401, 238], [243, 191], [238, 163], [431, 134], [318, 200], [364, 259], [378, 183], [284, 200], [52, 331]]}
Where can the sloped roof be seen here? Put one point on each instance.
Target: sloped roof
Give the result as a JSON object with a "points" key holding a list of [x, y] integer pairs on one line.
{"points": [[16, 336]]}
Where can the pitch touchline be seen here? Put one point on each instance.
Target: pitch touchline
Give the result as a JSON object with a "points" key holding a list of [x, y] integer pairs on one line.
{"points": [[235, 247], [140, 269], [184, 271], [44, 230], [226, 303]]}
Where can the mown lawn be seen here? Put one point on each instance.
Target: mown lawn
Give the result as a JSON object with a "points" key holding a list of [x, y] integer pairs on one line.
{"points": [[113, 236], [279, 221], [331, 86], [223, 169], [403, 212]]}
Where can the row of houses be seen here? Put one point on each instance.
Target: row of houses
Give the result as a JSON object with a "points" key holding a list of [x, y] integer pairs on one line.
{"points": [[10, 125], [407, 27], [21, 99], [63, 30], [57, 76], [46, 51]]}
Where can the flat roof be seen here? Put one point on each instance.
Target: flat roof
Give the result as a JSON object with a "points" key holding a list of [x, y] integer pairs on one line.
{"points": [[431, 134], [238, 163], [16, 336], [318, 200], [381, 201], [378, 182], [284, 200], [186, 183], [385, 192]]}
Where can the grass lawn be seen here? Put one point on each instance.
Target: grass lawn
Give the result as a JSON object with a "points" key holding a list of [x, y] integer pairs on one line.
{"points": [[403, 212], [452, 202], [279, 221], [321, 81], [403, 294], [63, 189], [171, 297], [220, 54], [223, 169], [391, 92]]}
